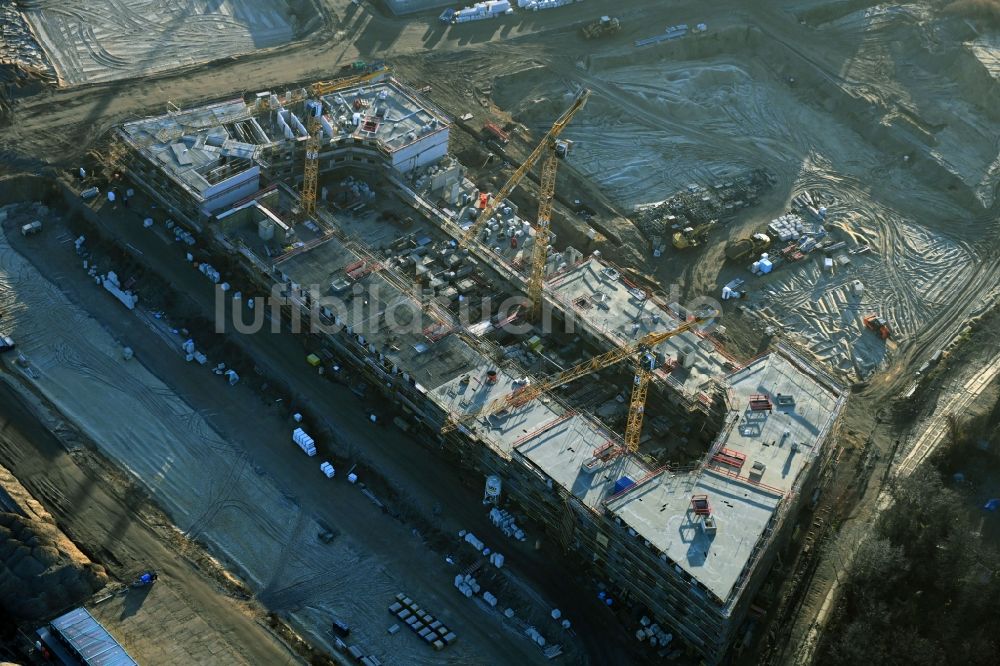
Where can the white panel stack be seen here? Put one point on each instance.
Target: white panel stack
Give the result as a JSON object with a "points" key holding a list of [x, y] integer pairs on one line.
{"points": [[505, 522], [305, 442], [785, 228], [327, 469], [467, 585], [535, 5], [471, 539], [483, 10]]}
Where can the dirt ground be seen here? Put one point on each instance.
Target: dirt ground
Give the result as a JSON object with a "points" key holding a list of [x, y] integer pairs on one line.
{"points": [[695, 110], [191, 615], [92, 42], [885, 114]]}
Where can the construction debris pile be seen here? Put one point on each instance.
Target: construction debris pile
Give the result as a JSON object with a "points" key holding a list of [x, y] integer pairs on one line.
{"points": [[798, 233], [19, 49], [41, 571], [698, 205]]}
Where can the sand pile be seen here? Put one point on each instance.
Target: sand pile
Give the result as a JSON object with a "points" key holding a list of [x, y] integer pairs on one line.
{"points": [[41, 570]]}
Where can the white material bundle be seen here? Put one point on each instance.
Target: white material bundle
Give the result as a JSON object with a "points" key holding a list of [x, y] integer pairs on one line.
{"points": [[786, 228], [471, 539], [505, 521], [305, 442]]}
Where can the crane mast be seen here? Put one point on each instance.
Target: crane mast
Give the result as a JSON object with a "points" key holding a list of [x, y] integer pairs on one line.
{"points": [[637, 405], [310, 177], [539, 252], [548, 140]]}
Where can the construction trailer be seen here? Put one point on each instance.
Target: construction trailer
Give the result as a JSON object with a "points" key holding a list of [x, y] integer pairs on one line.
{"points": [[77, 638]]}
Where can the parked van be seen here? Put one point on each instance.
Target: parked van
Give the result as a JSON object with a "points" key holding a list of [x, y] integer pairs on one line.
{"points": [[31, 228]]}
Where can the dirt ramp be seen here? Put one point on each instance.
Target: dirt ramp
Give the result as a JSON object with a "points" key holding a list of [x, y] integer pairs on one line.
{"points": [[41, 570]]}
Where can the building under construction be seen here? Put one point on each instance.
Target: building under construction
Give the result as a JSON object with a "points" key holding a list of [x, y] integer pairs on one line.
{"points": [[383, 265]]}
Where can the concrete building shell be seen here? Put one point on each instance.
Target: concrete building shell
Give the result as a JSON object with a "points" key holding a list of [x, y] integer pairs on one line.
{"points": [[635, 525], [197, 162]]}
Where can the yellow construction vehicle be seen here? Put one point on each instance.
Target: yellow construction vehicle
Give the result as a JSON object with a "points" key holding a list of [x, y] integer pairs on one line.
{"points": [[692, 236], [602, 27], [743, 248], [528, 391]]}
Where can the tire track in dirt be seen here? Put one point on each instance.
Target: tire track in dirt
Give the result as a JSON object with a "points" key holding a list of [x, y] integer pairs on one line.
{"points": [[218, 495]]}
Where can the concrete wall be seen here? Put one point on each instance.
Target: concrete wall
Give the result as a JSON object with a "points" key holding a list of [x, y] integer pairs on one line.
{"points": [[231, 190], [423, 151]]}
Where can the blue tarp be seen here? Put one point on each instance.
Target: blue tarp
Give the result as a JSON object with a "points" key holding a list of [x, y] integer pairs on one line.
{"points": [[623, 483], [992, 505]]}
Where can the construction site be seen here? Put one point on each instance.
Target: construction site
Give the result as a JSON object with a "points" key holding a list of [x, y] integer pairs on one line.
{"points": [[414, 271], [410, 362]]}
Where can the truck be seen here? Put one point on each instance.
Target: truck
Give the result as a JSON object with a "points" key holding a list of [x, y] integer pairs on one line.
{"points": [[743, 248], [31, 228], [692, 236], [602, 27]]}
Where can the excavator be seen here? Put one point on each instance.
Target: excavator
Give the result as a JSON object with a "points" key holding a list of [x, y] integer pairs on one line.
{"points": [[878, 326], [640, 350], [744, 248], [692, 236]]}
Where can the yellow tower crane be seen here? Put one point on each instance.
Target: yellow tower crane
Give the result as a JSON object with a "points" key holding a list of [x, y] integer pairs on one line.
{"points": [[326, 87], [556, 150], [314, 127], [552, 149], [547, 142], [311, 177], [637, 403], [526, 394]]}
